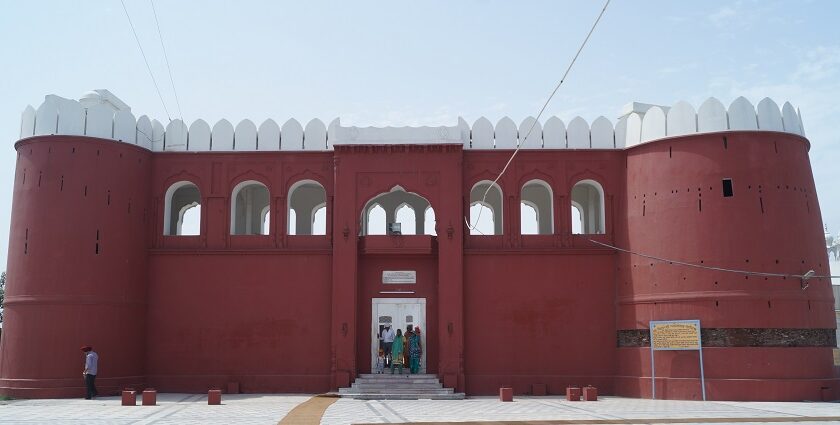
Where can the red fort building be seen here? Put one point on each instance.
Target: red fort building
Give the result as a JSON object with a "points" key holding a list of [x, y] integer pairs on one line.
{"points": [[306, 240]]}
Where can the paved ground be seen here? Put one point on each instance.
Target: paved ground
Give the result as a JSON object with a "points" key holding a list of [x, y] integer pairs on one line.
{"points": [[270, 409]]}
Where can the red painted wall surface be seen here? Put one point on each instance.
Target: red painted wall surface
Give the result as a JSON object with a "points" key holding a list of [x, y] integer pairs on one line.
{"points": [[259, 319], [549, 320], [281, 313]]}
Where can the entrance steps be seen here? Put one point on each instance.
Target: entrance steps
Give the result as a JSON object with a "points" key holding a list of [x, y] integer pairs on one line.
{"points": [[369, 386]]}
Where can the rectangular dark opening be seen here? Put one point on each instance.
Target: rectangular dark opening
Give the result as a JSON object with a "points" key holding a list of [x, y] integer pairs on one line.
{"points": [[761, 202], [727, 188], [725, 143]]}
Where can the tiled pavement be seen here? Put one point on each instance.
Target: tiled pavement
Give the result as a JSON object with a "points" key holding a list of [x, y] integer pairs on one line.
{"points": [[270, 408]]}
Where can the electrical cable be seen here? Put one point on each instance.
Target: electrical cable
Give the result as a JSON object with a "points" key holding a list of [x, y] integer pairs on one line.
{"points": [[719, 269], [166, 58], [145, 60], [545, 105]]}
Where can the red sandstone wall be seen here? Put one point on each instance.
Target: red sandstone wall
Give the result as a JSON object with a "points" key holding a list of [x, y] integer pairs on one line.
{"points": [[539, 318], [66, 288], [257, 318], [675, 209]]}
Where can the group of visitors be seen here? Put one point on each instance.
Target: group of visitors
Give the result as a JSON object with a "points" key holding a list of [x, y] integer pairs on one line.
{"points": [[398, 349]]}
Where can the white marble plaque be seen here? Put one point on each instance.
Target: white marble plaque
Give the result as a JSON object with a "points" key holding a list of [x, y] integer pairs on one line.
{"points": [[399, 276]]}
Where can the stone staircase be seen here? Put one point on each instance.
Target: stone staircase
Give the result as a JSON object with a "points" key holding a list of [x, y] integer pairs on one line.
{"points": [[398, 387]]}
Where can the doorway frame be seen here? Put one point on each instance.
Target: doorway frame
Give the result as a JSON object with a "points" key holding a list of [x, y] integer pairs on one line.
{"points": [[374, 324]]}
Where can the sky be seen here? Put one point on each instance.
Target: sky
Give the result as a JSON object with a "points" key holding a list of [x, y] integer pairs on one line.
{"points": [[423, 63]]}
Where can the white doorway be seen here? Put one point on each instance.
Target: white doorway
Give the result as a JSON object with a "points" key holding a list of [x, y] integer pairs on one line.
{"points": [[399, 313]]}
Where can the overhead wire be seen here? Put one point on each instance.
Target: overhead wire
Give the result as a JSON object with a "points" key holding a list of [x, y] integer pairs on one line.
{"points": [[804, 276], [522, 140], [166, 58], [149, 68]]}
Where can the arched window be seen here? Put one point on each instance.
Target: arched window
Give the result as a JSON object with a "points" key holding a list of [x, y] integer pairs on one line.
{"points": [[266, 220], [479, 203], [429, 221], [190, 221], [376, 220], [529, 218], [577, 219], [588, 198], [536, 195], [319, 220], [407, 218], [398, 206], [482, 221], [292, 222], [183, 201], [306, 198], [248, 207]]}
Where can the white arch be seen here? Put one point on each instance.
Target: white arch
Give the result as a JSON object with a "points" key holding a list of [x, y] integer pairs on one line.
{"points": [[577, 207], [265, 220], [481, 215], [533, 228], [429, 220], [311, 206], [167, 207], [372, 228], [183, 213], [319, 213], [407, 227], [233, 205], [590, 212], [546, 210], [498, 210]]}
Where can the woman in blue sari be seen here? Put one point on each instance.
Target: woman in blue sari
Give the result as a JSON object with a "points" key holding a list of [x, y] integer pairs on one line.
{"points": [[397, 351]]}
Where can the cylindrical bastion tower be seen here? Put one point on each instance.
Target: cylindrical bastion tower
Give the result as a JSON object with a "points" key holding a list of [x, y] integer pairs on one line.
{"points": [[77, 265], [739, 200]]}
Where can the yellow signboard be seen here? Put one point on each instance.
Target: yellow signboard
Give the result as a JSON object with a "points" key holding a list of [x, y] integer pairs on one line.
{"points": [[837, 357], [675, 335]]}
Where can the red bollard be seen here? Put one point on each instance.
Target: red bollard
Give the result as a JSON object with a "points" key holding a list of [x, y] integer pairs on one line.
{"points": [[214, 397], [149, 397], [573, 393], [129, 398], [590, 393], [506, 394]]}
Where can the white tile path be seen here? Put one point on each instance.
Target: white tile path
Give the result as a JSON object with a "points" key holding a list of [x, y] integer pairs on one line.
{"points": [[271, 408]]}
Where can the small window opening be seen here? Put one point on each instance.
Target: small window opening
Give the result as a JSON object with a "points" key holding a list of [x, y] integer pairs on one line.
{"points": [[108, 200], [85, 190], [761, 202], [727, 188], [669, 152], [61, 188], [40, 174], [725, 143]]}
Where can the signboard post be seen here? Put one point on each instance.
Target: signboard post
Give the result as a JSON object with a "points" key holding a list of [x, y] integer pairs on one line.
{"points": [[675, 335]]}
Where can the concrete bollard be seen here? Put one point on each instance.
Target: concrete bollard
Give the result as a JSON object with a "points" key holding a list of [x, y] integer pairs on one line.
{"points": [[129, 398], [506, 394], [214, 397], [590, 393], [149, 397], [573, 393]]}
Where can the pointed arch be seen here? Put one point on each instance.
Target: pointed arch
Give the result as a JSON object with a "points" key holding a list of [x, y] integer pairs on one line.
{"points": [[493, 201], [537, 194], [305, 198], [588, 198], [248, 201], [180, 197]]}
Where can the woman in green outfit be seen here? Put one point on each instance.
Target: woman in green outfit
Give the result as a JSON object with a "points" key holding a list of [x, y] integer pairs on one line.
{"points": [[397, 352]]}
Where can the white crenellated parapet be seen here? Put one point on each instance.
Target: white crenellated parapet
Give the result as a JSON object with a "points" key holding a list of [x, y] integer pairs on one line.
{"points": [[102, 115]]}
